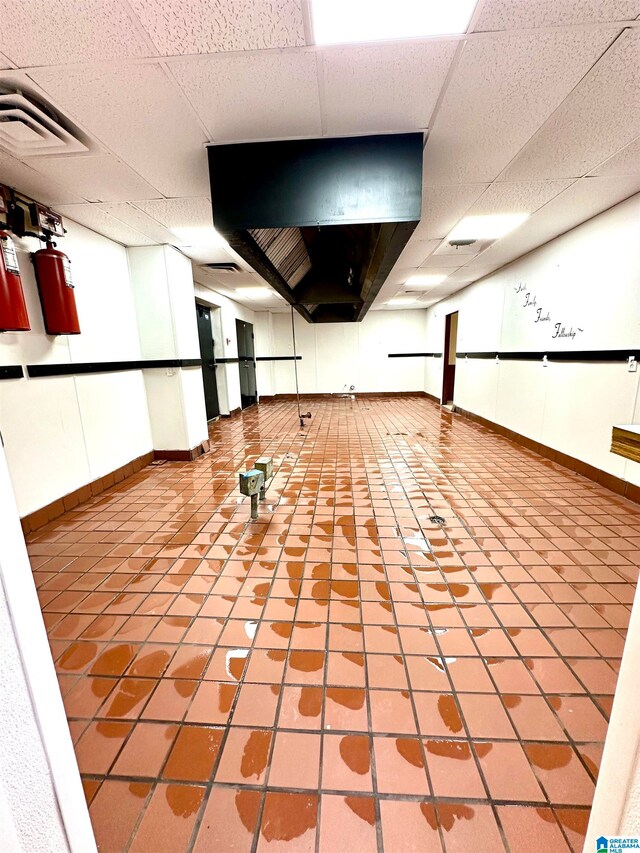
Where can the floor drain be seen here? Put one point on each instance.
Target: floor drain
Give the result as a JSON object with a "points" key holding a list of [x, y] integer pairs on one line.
{"points": [[436, 519]]}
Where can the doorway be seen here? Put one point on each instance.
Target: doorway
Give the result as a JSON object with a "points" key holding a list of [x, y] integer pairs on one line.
{"points": [[205, 337], [449, 354], [246, 364]]}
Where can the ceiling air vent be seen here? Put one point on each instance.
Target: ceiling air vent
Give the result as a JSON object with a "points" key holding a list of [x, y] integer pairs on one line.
{"points": [[222, 267], [31, 129]]}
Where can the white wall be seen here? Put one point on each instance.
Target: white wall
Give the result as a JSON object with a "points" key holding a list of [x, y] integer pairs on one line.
{"points": [[338, 355], [61, 433], [588, 280]]}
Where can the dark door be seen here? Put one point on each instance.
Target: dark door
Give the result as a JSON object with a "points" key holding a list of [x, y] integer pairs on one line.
{"points": [[247, 364], [449, 356], [208, 365]]}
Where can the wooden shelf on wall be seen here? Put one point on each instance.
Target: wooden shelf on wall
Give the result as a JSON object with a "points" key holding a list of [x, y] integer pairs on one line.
{"points": [[625, 441]]}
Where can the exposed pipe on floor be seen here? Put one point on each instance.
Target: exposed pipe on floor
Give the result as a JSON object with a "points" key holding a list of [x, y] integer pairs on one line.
{"points": [[301, 415]]}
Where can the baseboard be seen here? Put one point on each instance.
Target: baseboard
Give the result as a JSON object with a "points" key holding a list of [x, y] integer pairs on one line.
{"points": [[597, 475], [233, 413], [35, 520], [181, 455], [342, 394]]}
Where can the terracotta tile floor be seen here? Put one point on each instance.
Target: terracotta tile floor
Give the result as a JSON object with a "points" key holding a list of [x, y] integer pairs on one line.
{"points": [[343, 674]]}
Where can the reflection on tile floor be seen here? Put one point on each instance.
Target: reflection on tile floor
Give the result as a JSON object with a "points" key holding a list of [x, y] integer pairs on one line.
{"points": [[342, 674]]}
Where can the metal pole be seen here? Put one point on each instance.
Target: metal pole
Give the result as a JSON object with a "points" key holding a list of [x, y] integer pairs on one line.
{"points": [[295, 368]]}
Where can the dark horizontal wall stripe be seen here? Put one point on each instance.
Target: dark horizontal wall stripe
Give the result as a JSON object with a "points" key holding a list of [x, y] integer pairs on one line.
{"points": [[37, 370], [415, 354], [11, 371], [279, 358], [561, 355], [258, 358]]}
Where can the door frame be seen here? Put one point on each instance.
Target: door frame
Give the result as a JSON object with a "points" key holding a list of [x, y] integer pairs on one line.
{"points": [[204, 307], [242, 360], [448, 370]]}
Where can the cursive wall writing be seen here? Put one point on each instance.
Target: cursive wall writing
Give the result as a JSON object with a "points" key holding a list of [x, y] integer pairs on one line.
{"points": [[560, 329]]}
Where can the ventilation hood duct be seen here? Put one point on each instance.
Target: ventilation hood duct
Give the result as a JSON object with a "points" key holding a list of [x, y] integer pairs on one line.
{"points": [[322, 220]]}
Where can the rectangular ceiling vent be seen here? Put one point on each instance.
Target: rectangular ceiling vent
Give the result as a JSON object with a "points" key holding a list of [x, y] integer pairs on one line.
{"points": [[228, 266], [31, 129]]}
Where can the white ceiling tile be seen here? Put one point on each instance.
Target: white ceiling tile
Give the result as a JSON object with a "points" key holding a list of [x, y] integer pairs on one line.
{"points": [[501, 92], [37, 33], [96, 178], [527, 14], [443, 207], [582, 200], [600, 116], [248, 96], [465, 275], [141, 115], [440, 263], [92, 216], [179, 212], [21, 177], [517, 197], [383, 87], [624, 162], [416, 252], [139, 220], [210, 26]]}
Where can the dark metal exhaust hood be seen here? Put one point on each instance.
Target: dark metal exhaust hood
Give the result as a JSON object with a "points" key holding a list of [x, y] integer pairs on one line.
{"points": [[322, 220]]}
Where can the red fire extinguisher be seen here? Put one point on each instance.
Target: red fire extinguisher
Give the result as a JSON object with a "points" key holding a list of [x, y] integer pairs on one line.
{"points": [[13, 311], [55, 285]]}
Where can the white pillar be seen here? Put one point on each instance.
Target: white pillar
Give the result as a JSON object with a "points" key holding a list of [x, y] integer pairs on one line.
{"points": [[40, 787], [165, 307], [616, 802]]}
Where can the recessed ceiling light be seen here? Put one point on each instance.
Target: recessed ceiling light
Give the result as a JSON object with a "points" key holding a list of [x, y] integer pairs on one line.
{"points": [[338, 21], [420, 280], [401, 301], [487, 227], [204, 236], [254, 292]]}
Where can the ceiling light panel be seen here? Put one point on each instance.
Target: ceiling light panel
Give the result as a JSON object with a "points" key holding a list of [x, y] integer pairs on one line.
{"points": [[424, 280], [486, 227], [199, 237], [344, 21]]}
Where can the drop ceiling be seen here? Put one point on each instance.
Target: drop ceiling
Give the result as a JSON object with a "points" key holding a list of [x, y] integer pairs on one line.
{"points": [[534, 110]]}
